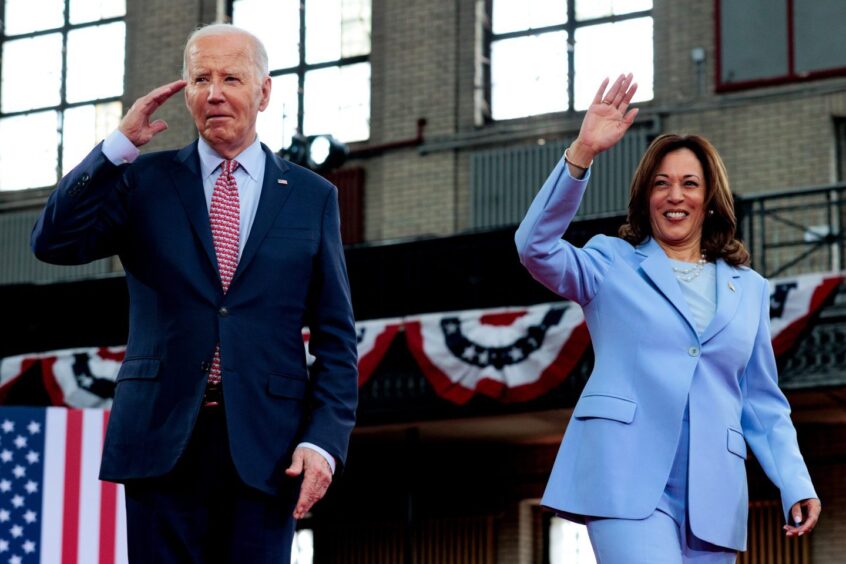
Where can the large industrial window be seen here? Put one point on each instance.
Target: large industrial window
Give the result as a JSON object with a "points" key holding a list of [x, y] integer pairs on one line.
{"points": [[764, 42], [550, 55], [319, 55], [53, 107]]}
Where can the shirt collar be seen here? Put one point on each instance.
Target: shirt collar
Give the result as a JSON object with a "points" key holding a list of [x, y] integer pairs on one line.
{"points": [[249, 159]]}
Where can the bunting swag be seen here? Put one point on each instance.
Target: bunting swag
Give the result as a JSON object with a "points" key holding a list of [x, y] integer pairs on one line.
{"points": [[511, 355], [372, 338], [793, 301]]}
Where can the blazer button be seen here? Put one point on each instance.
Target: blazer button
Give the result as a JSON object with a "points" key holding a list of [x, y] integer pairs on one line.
{"points": [[693, 351], [223, 311]]}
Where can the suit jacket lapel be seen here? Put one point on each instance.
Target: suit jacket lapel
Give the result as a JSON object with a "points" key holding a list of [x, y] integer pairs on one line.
{"points": [[189, 186], [657, 268], [729, 290], [273, 197]]}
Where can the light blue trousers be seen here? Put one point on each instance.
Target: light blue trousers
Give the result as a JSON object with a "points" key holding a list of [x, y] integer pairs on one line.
{"points": [[662, 538]]}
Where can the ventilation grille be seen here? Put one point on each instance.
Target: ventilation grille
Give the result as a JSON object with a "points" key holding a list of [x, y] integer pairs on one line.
{"points": [[17, 263], [504, 181]]}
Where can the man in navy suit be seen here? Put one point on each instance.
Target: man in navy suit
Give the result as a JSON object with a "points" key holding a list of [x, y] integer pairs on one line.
{"points": [[221, 435]]}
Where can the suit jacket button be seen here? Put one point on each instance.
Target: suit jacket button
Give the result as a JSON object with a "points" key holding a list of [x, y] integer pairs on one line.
{"points": [[693, 351], [223, 311]]}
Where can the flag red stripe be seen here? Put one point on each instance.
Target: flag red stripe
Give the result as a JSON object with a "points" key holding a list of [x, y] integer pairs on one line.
{"points": [[73, 473], [108, 513]]}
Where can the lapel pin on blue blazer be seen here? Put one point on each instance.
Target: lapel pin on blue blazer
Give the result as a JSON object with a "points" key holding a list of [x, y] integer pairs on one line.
{"points": [[731, 286], [281, 181]]}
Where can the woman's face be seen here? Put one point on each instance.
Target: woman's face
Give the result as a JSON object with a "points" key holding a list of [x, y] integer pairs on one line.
{"points": [[677, 201]]}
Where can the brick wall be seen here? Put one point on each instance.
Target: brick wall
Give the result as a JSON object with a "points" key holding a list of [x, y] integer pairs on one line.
{"points": [[156, 31]]}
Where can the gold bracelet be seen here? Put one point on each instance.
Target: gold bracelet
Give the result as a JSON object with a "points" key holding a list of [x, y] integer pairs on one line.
{"points": [[577, 165]]}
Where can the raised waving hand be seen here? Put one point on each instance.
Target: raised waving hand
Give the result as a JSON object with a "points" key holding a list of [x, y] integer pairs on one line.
{"points": [[606, 120]]}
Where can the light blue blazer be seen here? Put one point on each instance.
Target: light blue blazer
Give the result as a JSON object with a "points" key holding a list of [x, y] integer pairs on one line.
{"points": [[619, 446]]}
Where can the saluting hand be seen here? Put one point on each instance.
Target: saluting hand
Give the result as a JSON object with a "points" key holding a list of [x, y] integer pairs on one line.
{"points": [[607, 119], [136, 123]]}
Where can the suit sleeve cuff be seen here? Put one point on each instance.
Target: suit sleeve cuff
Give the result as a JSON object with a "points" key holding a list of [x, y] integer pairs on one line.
{"points": [[329, 458], [119, 149]]}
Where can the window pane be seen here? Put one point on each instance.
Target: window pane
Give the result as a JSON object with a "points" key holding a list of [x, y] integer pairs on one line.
{"points": [[753, 40], [104, 44], [84, 127], [337, 101], [22, 18], [569, 543], [529, 75], [516, 15], [32, 73], [586, 9], [820, 43], [277, 124], [91, 10], [29, 150], [609, 50], [336, 29], [276, 23]]}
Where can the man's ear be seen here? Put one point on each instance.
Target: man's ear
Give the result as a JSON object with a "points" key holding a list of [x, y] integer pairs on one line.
{"points": [[266, 85]]}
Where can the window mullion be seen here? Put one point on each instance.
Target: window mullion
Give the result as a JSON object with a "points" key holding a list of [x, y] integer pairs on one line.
{"points": [[791, 47], [63, 92], [571, 54], [2, 43], [301, 70]]}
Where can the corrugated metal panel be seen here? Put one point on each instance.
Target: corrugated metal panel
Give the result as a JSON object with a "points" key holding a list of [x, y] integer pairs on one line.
{"points": [[350, 184], [504, 181], [17, 263]]}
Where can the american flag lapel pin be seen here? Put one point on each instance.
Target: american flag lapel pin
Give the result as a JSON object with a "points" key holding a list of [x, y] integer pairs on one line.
{"points": [[282, 181]]}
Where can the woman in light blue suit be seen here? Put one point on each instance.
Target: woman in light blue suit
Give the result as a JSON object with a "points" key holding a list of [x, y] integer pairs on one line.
{"points": [[653, 460]]}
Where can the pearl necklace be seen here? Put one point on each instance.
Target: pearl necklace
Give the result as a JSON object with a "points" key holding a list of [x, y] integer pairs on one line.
{"points": [[688, 274]]}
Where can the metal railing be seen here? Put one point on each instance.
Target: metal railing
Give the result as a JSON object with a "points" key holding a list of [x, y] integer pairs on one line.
{"points": [[795, 231]]}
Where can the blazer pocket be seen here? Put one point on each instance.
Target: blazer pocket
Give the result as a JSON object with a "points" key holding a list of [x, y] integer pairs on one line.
{"points": [[736, 443], [143, 368], [292, 233], [285, 386], [605, 407]]}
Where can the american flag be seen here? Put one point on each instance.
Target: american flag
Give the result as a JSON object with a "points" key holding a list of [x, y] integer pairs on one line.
{"points": [[53, 509]]}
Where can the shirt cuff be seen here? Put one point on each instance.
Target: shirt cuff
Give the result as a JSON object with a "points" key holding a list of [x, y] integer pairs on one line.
{"points": [[329, 458], [119, 149]]}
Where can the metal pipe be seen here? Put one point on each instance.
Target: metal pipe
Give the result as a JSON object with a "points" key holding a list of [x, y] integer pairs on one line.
{"points": [[372, 150]]}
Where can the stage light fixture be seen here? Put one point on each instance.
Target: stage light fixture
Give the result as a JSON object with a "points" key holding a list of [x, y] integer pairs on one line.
{"points": [[320, 153]]}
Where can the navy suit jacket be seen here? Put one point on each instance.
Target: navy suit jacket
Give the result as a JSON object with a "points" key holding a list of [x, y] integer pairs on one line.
{"points": [[651, 363], [153, 215]]}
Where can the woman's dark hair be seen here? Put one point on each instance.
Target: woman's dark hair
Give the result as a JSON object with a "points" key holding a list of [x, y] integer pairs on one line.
{"points": [[720, 225]]}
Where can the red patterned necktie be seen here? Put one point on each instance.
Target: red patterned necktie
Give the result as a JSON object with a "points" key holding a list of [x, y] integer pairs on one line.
{"points": [[225, 218]]}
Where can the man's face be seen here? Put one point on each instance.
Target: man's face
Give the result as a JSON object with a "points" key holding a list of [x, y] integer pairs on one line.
{"points": [[224, 93]]}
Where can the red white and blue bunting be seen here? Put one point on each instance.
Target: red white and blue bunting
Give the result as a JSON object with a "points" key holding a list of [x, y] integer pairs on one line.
{"points": [[510, 354]]}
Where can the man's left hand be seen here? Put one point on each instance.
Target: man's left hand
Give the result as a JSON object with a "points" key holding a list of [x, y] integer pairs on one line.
{"points": [[316, 478]]}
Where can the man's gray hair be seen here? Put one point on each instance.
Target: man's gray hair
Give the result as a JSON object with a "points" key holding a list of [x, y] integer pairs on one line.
{"points": [[259, 53]]}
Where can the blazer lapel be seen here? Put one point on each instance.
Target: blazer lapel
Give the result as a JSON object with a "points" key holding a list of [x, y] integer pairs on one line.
{"points": [[729, 290], [189, 186], [273, 196], [657, 268]]}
